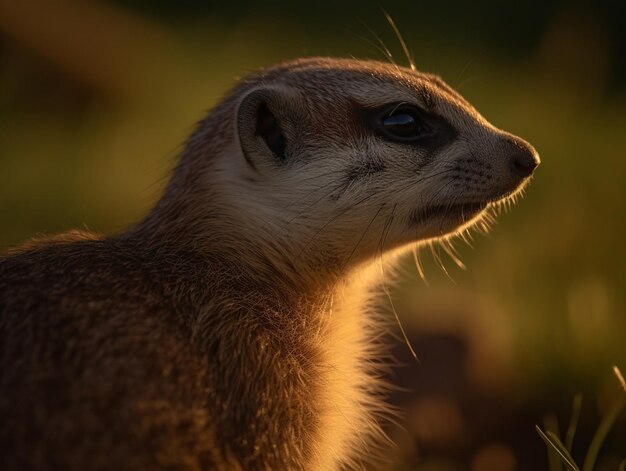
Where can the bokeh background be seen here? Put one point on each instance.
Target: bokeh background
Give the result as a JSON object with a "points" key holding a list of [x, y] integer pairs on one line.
{"points": [[96, 99]]}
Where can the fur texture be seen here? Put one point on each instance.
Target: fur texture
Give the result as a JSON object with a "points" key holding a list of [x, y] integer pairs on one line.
{"points": [[232, 328]]}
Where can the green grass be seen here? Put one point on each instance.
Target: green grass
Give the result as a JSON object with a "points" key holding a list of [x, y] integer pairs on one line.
{"points": [[559, 454]]}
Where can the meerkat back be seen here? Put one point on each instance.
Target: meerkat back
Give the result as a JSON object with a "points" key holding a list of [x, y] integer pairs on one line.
{"points": [[232, 328]]}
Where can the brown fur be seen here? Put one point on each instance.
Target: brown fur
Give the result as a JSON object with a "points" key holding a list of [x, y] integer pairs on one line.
{"points": [[112, 361], [210, 336]]}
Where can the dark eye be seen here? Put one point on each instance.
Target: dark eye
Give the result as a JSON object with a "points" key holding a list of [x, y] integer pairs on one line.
{"points": [[404, 124]]}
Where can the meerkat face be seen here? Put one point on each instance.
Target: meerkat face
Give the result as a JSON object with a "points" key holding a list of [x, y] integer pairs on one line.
{"points": [[349, 158]]}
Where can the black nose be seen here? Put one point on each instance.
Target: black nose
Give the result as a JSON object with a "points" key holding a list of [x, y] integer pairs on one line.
{"points": [[524, 159]]}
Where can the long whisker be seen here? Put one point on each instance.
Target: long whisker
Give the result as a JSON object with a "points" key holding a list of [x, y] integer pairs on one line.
{"points": [[284, 223], [379, 47], [452, 253], [468, 63], [437, 253], [314, 190], [409, 184], [407, 53], [445, 170], [418, 265], [437, 257], [361, 238], [335, 217], [311, 205], [383, 239], [382, 45]]}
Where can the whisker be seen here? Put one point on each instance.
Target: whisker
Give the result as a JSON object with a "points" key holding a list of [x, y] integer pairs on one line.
{"points": [[383, 50], [382, 44], [467, 64], [418, 265], [437, 257], [339, 214], [383, 239], [282, 224], [309, 206], [407, 53], [452, 253], [361, 238]]}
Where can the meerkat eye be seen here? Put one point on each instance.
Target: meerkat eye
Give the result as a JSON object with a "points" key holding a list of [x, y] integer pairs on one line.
{"points": [[403, 123]]}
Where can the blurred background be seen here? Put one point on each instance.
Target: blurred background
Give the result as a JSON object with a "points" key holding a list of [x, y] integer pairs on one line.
{"points": [[96, 99]]}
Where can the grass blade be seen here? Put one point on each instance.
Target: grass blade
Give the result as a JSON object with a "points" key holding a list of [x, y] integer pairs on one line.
{"points": [[620, 377], [551, 424], [557, 446], [573, 422], [602, 431]]}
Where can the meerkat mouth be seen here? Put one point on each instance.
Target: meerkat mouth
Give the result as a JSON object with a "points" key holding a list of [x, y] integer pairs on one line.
{"points": [[454, 212]]}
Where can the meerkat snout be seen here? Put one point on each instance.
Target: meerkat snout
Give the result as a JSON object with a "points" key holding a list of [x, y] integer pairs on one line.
{"points": [[499, 166]]}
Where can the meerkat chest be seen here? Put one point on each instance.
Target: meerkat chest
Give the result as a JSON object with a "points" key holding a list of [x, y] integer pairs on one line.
{"points": [[349, 393]]}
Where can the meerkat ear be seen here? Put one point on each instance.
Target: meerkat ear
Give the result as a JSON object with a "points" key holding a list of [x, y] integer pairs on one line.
{"points": [[266, 121]]}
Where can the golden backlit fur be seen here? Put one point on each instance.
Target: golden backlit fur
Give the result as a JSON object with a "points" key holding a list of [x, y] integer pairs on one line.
{"points": [[234, 327]]}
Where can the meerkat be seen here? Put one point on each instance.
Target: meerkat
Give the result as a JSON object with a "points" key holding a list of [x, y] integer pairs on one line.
{"points": [[233, 327]]}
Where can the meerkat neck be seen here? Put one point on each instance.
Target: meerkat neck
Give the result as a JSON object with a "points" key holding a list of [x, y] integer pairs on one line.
{"points": [[335, 322], [172, 226], [352, 354]]}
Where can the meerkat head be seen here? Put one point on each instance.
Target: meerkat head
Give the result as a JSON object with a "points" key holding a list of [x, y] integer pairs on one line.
{"points": [[333, 161]]}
